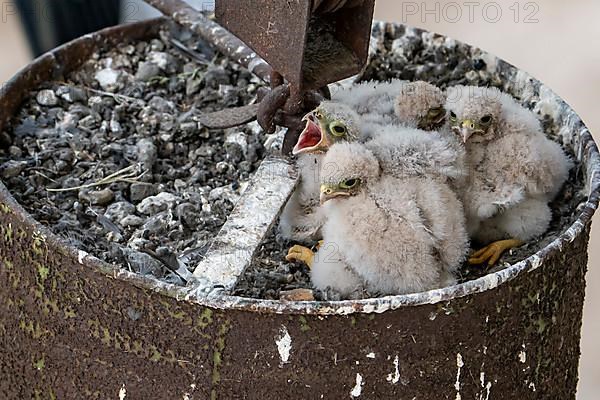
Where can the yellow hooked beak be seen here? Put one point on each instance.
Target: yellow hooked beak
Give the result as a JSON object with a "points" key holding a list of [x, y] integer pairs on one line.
{"points": [[331, 192], [467, 129]]}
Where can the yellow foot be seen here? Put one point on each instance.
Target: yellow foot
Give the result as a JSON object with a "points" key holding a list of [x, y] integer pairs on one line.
{"points": [[301, 253], [492, 252]]}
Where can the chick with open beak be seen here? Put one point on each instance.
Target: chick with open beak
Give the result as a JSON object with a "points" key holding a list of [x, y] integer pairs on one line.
{"points": [[330, 123]]}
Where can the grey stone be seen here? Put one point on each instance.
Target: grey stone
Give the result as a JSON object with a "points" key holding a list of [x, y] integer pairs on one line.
{"points": [[189, 128], [11, 169], [157, 45], [15, 152], [155, 204], [146, 71], [132, 221], [140, 191], [117, 211], [97, 197], [187, 213], [162, 105], [164, 61], [157, 224], [142, 263], [72, 94], [147, 152], [47, 98], [108, 79]]}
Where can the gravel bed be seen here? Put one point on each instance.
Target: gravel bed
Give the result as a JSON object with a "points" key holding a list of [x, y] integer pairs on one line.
{"points": [[114, 160]]}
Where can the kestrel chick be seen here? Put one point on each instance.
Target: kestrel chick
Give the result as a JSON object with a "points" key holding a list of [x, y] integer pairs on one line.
{"points": [[514, 169], [329, 123], [387, 231], [421, 105]]}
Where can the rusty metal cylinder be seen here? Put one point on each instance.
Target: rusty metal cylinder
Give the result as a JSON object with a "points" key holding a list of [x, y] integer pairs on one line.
{"points": [[73, 327]]}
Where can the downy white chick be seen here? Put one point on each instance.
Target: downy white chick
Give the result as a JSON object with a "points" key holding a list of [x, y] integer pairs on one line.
{"points": [[391, 235], [514, 169], [412, 104], [371, 100], [420, 105], [331, 122]]}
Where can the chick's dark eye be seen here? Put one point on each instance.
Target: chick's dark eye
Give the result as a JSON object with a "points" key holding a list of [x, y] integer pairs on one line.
{"points": [[350, 183], [337, 129], [486, 120], [452, 115]]}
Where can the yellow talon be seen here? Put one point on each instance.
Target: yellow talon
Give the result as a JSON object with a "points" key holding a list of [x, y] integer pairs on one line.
{"points": [[301, 253], [492, 252]]}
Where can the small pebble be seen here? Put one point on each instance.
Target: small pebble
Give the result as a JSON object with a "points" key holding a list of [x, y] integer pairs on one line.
{"points": [[12, 169], [155, 204], [97, 197], [139, 191], [47, 98], [146, 71], [119, 210], [132, 221], [108, 79]]}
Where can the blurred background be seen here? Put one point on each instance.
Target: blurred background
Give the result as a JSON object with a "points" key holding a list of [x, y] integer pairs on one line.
{"points": [[558, 42]]}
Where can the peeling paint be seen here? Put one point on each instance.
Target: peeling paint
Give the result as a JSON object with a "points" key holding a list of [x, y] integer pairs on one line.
{"points": [[459, 364], [488, 389], [284, 345], [394, 377], [522, 357], [357, 390], [371, 355], [81, 255], [122, 393]]}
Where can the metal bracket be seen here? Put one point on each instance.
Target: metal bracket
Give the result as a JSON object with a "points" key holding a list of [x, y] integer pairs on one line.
{"points": [[308, 44]]}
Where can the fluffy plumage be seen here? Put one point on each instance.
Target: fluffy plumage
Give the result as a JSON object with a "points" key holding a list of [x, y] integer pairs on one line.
{"points": [[412, 104], [404, 152], [397, 234], [371, 98], [331, 122], [514, 169], [420, 105]]}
